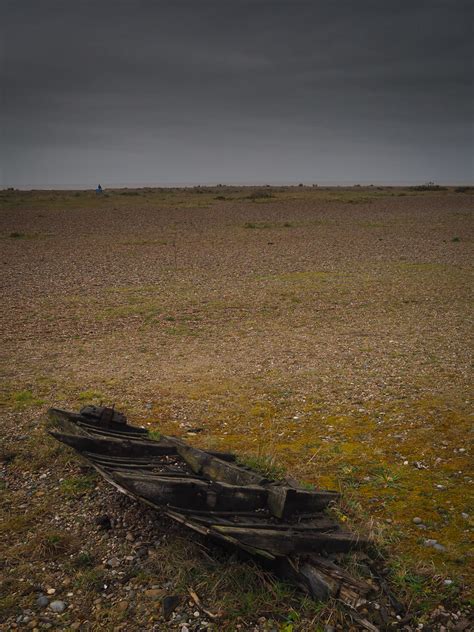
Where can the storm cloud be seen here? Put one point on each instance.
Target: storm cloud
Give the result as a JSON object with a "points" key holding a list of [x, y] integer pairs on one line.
{"points": [[141, 92]]}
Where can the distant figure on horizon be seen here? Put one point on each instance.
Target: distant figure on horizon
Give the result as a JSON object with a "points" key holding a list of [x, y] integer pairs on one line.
{"points": [[99, 189]]}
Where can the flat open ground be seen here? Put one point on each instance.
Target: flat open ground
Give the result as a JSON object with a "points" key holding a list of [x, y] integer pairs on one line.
{"points": [[327, 331]]}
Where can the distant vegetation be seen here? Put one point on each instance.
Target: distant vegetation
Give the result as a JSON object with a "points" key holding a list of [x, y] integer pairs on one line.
{"points": [[429, 186], [259, 195]]}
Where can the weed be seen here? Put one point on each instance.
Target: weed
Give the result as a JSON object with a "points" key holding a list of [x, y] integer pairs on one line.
{"points": [[7, 455], [154, 434], [385, 478], [78, 485], [429, 186], [455, 239], [9, 605], [90, 580], [20, 400], [259, 195], [89, 396], [48, 545], [265, 465], [83, 560]]}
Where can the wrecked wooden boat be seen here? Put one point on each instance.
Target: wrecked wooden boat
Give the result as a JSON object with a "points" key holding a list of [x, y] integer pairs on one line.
{"points": [[214, 495]]}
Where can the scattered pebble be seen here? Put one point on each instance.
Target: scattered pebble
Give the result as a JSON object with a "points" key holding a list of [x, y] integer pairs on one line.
{"points": [[153, 593], [57, 606], [114, 562], [42, 601], [169, 605], [417, 520]]}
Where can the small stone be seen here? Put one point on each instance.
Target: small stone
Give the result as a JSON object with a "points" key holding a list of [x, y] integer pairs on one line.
{"points": [[430, 542], [103, 522], [417, 520], [122, 606], [448, 582], [169, 605], [465, 515], [57, 606], [153, 593], [51, 591], [76, 625], [439, 547], [129, 537], [42, 601], [329, 628], [114, 562]]}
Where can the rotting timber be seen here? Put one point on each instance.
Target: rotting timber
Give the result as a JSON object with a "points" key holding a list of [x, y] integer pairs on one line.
{"points": [[212, 494]]}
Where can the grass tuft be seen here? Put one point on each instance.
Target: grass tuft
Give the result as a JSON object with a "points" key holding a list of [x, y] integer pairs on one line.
{"points": [[265, 465], [78, 485]]}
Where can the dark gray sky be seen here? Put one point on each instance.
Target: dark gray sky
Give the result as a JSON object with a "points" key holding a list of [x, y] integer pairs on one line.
{"points": [[136, 91]]}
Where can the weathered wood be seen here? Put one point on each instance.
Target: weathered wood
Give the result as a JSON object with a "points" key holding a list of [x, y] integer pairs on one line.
{"points": [[112, 445], [291, 542], [110, 420], [284, 501], [322, 524], [193, 492], [216, 469], [343, 586]]}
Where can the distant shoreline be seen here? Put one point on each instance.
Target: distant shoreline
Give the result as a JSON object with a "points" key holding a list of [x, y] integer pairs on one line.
{"points": [[178, 185]]}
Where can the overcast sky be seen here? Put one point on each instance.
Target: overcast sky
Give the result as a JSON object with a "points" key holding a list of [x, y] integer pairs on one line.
{"points": [[141, 92]]}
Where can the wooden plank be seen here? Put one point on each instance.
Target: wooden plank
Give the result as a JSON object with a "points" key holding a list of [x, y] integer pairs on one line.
{"points": [[121, 434], [323, 524], [193, 492], [203, 463], [111, 445], [308, 579], [284, 501], [290, 542]]}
